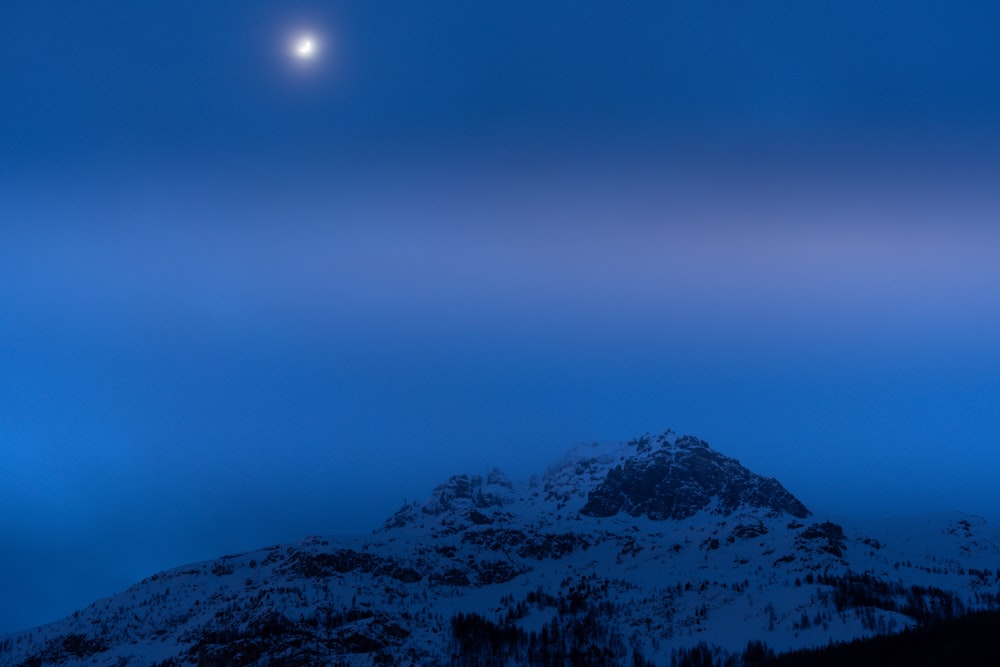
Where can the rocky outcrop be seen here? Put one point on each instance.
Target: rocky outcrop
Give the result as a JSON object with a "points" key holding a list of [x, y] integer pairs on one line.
{"points": [[826, 537], [463, 498], [680, 479], [538, 546]]}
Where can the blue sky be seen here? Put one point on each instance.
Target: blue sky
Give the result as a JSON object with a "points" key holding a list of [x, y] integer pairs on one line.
{"points": [[243, 301]]}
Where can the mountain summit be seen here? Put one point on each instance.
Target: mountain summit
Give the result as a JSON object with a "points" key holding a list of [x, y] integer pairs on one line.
{"points": [[621, 554], [676, 479]]}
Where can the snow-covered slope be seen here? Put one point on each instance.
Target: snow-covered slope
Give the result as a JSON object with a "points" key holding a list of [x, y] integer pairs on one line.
{"points": [[619, 550]]}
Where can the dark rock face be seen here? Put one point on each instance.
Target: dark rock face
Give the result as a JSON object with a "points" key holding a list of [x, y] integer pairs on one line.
{"points": [[69, 647], [452, 577], [458, 488], [480, 519], [539, 546], [826, 537], [466, 491], [679, 481], [407, 575], [239, 644], [322, 565], [746, 531], [475, 499]]}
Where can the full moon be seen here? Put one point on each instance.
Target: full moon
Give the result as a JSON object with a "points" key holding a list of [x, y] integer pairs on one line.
{"points": [[304, 47]]}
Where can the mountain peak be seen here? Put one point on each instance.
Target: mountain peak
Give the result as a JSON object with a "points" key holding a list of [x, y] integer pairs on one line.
{"points": [[681, 477], [659, 477]]}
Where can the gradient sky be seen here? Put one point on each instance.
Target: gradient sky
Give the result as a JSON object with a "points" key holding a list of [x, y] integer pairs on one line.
{"points": [[243, 301]]}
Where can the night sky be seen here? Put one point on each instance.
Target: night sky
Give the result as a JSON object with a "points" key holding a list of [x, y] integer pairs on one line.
{"points": [[246, 298]]}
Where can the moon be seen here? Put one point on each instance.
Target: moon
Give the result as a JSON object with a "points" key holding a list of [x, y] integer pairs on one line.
{"points": [[305, 47]]}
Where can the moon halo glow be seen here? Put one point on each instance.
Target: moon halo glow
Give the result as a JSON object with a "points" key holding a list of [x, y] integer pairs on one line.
{"points": [[305, 47]]}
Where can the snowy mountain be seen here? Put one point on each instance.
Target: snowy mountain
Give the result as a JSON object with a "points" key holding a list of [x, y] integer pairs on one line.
{"points": [[620, 554]]}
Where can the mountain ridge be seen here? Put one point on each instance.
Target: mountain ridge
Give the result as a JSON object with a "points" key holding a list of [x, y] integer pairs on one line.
{"points": [[642, 549]]}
